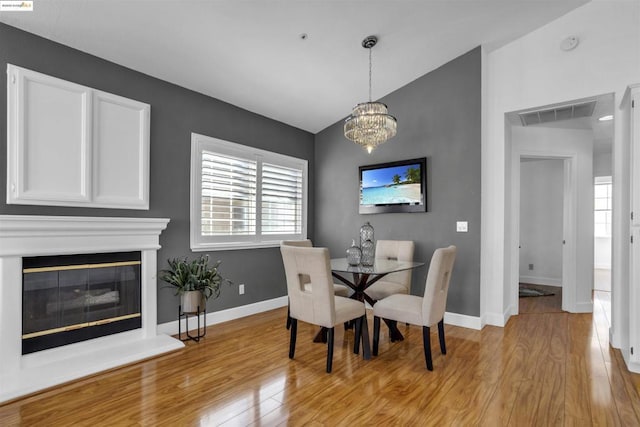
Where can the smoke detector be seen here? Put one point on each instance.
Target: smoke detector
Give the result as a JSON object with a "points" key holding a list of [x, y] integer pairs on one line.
{"points": [[569, 43]]}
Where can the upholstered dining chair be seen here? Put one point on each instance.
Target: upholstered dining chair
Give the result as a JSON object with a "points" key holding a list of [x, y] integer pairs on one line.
{"points": [[338, 289], [317, 304], [394, 283], [421, 311]]}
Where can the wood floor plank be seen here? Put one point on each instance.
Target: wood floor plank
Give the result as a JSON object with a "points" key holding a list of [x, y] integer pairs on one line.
{"points": [[542, 368]]}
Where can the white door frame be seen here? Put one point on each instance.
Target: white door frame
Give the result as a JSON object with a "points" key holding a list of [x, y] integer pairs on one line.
{"points": [[569, 222]]}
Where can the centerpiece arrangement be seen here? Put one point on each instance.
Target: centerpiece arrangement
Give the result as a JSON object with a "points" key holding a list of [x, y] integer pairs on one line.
{"points": [[365, 253]]}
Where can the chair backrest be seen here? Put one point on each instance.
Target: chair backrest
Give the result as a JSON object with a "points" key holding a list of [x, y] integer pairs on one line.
{"points": [[437, 286], [318, 305], [300, 244], [401, 250]]}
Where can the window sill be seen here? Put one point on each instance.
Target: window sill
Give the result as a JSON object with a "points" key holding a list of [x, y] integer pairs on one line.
{"points": [[211, 247]]}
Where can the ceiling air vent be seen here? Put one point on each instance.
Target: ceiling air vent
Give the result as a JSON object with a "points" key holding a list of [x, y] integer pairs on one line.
{"points": [[564, 112]]}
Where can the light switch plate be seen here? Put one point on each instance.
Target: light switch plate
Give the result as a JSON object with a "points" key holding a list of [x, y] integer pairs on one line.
{"points": [[461, 226]]}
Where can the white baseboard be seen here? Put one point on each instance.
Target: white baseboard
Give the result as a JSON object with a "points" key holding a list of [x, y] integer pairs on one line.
{"points": [[583, 307], [171, 328], [631, 366], [614, 339], [537, 280], [462, 320], [497, 319], [634, 367]]}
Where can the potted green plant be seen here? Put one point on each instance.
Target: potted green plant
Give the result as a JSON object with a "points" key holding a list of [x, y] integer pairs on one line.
{"points": [[195, 281]]}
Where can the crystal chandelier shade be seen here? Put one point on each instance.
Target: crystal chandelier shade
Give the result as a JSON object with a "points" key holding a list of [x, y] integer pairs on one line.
{"points": [[369, 124]]}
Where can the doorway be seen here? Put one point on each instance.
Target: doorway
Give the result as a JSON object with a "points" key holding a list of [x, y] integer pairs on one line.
{"points": [[541, 234], [571, 133], [555, 252]]}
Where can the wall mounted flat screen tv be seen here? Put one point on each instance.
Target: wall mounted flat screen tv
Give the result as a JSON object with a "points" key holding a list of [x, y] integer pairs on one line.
{"points": [[394, 187]]}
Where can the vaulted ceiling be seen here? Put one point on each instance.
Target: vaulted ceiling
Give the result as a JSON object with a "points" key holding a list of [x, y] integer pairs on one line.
{"points": [[299, 62]]}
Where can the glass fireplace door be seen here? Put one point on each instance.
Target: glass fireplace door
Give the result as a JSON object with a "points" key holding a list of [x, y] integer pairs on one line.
{"points": [[72, 302]]}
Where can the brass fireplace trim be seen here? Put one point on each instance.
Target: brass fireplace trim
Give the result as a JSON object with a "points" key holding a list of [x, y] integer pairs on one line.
{"points": [[80, 326], [79, 266]]}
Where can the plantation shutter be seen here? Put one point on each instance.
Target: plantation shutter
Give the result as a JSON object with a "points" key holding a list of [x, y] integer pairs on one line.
{"points": [[228, 205], [282, 200]]}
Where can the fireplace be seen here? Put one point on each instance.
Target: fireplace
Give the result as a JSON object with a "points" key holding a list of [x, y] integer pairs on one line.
{"points": [[72, 298], [104, 311]]}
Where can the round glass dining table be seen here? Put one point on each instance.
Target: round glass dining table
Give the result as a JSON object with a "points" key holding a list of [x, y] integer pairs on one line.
{"points": [[363, 276]]}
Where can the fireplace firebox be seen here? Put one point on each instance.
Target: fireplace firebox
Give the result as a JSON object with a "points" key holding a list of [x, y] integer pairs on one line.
{"points": [[72, 298]]}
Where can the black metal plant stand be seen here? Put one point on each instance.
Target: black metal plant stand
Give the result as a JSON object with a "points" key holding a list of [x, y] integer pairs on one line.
{"points": [[202, 330]]}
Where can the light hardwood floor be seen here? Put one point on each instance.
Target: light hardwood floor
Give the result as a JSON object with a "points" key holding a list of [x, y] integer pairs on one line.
{"points": [[547, 304], [542, 369]]}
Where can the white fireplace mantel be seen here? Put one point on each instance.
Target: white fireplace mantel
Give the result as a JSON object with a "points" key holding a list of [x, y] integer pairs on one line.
{"points": [[22, 235]]}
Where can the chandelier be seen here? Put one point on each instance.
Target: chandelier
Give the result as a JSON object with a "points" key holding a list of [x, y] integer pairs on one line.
{"points": [[369, 125]]}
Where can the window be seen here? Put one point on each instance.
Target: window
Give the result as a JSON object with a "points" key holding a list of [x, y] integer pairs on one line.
{"points": [[602, 206], [243, 197]]}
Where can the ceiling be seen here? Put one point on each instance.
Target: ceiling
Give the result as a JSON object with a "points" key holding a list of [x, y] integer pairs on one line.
{"points": [[251, 53]]}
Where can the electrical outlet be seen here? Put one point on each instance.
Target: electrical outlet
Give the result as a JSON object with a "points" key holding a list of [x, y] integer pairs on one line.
{"points": [[530, 266], [241, 289], [461, 226]]}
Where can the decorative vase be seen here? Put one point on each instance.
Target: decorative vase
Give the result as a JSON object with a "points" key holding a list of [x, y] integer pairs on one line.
{"points": [[192, 302], [354, 254], [366, 233], [368, 253], [367, 244]]}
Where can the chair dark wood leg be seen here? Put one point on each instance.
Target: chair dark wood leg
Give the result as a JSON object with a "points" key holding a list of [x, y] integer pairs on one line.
{"points": [[329, 349], [292, 340], [394, 332], [349, 324], [358, 334], [288, 317], [376, 334], [426, 340], [443, 347], [364, 334], [321, 336]]}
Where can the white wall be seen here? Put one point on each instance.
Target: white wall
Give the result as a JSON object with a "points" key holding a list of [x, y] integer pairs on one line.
{"points": [[602, 164], [533, 71], [541, 198]]}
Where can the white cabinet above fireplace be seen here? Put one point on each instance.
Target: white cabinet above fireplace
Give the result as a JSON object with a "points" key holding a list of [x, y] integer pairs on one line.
{"points": [[71, 145]]}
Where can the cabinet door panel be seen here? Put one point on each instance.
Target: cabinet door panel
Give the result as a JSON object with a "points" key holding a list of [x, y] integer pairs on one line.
{"points": [[634, 295], [71, 145], [51, 144], [121, 160], [635, 157]]}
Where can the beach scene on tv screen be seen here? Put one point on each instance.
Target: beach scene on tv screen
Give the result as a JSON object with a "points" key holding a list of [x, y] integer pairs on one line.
{"points": [[392, 185]]}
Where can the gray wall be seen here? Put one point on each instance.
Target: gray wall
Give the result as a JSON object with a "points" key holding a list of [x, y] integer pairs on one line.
{"points": [[541, 199], [175, 113], [438, 117]]}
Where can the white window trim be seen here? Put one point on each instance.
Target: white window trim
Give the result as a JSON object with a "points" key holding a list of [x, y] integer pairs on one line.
{"points": [[200, 243]]}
